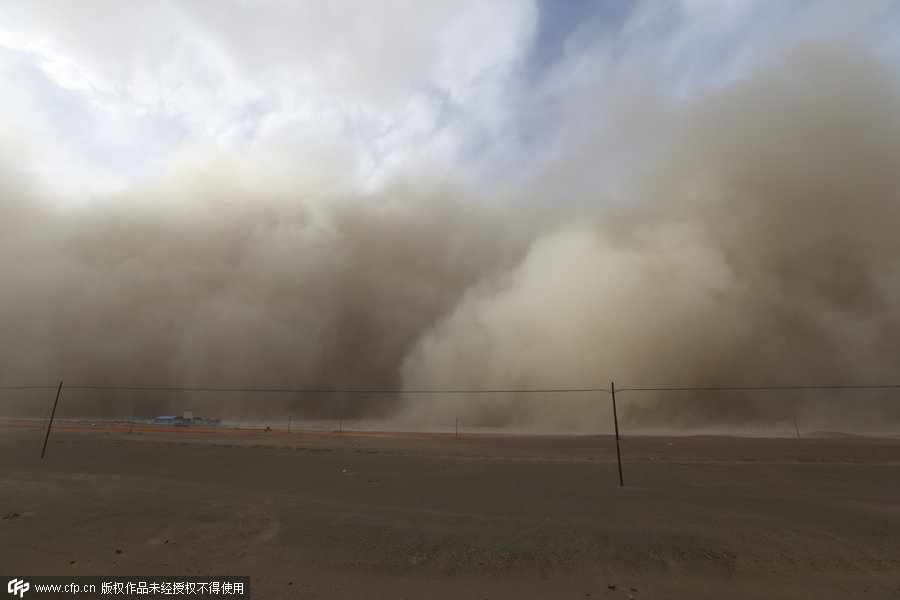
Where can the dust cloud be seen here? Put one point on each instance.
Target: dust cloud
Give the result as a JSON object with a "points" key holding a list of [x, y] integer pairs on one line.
{"points": [[754, 243]]}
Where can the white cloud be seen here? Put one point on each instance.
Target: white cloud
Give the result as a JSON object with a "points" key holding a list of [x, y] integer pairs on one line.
{"points": [[238, 73], [105, 93]]}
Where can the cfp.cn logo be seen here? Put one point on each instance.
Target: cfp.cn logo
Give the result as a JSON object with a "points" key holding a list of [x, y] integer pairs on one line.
{"points": [[17, 587]]}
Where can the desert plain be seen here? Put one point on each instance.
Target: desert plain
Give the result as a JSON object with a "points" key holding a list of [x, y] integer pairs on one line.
{"points": [[365, 515]]}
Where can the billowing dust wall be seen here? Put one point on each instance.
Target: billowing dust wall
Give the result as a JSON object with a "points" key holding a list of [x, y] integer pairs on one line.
{"points": [[755, 243]]}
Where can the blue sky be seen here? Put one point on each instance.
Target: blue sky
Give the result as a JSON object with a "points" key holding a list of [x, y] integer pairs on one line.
{"points": [[100, 95]]}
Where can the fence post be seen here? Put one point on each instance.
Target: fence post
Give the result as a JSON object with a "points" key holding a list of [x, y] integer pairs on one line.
{"points": [[616, 422], [50, 424]]}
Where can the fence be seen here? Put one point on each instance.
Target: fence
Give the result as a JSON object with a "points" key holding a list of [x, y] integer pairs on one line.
{"points": [[611, 392]]}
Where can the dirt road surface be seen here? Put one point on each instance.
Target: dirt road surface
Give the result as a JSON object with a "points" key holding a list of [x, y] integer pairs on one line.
{"points": [[392, 516]]}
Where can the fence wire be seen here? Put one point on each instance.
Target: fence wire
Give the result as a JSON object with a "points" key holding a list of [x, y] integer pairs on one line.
{"points": [[158, 388]]}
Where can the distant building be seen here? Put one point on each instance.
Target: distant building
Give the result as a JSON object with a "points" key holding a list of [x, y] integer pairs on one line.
{"points": [[186, 420]]}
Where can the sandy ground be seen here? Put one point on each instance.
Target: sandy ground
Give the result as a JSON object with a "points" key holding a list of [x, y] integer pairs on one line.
{"points": [[317, 515]]}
